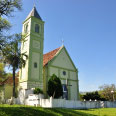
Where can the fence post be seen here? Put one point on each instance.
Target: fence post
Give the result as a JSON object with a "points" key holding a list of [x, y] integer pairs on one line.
{"points": [[51, 101], [41, 102]]}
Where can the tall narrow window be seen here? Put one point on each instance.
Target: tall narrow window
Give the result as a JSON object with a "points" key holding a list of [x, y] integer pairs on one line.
{"points": [[65, 91], [37, 28], [26, 28], [35, 64]]}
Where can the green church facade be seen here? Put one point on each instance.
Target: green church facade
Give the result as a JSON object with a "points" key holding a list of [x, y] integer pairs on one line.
{"points": [[40, 67], [62, 66]]}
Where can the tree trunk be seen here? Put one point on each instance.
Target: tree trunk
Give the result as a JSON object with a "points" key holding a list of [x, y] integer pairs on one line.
{"points": [[54, 94], [14, 95]]}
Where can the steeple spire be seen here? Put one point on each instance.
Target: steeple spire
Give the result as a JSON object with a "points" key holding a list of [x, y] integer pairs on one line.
{"points": [[33, 5], [34, 13]]}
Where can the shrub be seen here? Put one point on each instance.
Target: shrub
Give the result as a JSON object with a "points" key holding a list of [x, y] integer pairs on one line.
{"points": [[38, 91], [54, 87]]}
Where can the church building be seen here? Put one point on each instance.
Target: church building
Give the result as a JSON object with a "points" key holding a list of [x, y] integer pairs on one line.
{"points": [[40, 67]]}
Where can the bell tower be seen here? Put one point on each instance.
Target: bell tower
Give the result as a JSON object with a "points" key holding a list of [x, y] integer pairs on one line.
{"points": [[30, 76]]}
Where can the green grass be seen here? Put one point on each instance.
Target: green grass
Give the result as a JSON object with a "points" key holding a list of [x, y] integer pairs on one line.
{"points": [[18, 110]]}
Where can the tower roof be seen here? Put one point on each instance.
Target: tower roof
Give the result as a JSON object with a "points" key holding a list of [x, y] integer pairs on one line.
{"points": [[34, 13]]}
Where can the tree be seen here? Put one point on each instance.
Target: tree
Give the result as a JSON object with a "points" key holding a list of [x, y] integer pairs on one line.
{"points": [[4, 25], [108, 92], [93, 96], [12, 56], [55, 87], [38, 91], [2, 72], [6, 8]]}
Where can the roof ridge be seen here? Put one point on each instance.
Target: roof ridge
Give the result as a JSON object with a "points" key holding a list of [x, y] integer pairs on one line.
{"points": [[50, 55], [52, 50]]}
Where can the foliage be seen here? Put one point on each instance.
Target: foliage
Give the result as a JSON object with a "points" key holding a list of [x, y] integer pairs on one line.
{"points": [[12, 53], [108, 92], [4, 24], [37, 91], [8, 75], [12, 56], [2, 72], [93, 96], [7, 7], [55, 87], [81, 96], [19, 110]]}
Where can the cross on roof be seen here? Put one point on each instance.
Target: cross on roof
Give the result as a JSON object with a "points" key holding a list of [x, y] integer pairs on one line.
{"points": [[62, 42], [33, 3]]}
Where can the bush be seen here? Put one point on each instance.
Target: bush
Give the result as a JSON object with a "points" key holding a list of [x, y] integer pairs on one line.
{"points": [[38, 91], [54, 87], [93, 96]]}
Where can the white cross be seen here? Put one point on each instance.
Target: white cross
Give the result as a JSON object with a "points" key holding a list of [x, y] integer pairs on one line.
{"points": [[33, 3], [62, 42]]}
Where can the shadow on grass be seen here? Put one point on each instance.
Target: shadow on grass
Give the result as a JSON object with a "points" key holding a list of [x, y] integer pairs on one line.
{"points": [[37, 111], [71, 112]]}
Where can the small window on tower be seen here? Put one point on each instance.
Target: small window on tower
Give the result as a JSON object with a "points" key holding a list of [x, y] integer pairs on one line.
{"points": [[26, 28], [37, 28], [35, 64]]}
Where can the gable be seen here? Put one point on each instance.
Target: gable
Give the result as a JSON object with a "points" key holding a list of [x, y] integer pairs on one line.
{"points": [[49, 56], [63, 60]]}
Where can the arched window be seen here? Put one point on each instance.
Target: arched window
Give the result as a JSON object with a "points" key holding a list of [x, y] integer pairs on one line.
{"points": [[37, 28], [26, 28]]}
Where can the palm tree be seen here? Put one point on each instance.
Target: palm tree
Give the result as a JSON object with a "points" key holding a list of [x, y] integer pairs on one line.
{"points": [[13, 56]]}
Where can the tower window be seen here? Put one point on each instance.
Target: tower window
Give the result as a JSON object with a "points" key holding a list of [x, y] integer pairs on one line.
{"points": [[35, 64], [37, 28], [26, 28]]}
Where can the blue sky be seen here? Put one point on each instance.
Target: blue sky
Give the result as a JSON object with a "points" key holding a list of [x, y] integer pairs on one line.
{"points": [[88, 28]]}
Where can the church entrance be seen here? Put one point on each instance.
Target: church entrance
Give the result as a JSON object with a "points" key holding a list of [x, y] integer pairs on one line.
{"points": [[65, 92]]}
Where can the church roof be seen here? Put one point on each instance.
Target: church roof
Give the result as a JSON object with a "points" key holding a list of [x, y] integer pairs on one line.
{"points": [[10, 81], [50, 55], [34, 13]]}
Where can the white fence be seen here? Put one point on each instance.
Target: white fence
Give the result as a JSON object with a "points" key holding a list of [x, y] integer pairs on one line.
{"points": [[35, 100], [62, 103], [26, 97]]}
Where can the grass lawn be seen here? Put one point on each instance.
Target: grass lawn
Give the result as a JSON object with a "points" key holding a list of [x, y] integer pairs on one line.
{"points": [[18, 110]]}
